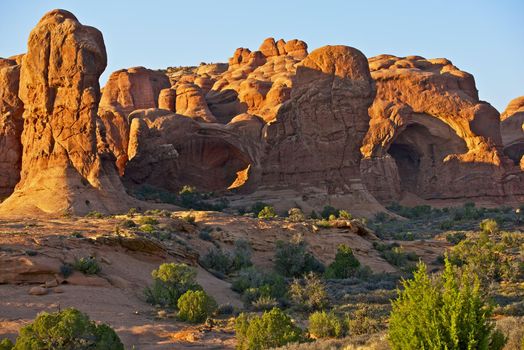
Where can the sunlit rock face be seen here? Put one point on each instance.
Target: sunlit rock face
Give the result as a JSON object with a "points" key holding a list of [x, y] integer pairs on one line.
{"points": [[65, 163], [512, 130], [431, 136]]}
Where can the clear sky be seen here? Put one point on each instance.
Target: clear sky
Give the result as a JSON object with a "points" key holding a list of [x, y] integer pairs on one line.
{"points": [[483, 37]]}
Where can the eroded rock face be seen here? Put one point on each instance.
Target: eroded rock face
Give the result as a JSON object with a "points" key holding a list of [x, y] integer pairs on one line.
{"points": [[512, 130], [316, 136], [190, 102], [125, 91], [429, 127], [65, 163], [169, 151], [11, 125], [256, 82]]}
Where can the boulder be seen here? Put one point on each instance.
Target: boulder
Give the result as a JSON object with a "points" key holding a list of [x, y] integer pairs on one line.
{"points": [[190, 102], [11, 125], [66, 165]]}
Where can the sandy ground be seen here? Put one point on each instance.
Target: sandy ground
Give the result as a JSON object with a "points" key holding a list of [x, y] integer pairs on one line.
{"points": [[32, 251]]}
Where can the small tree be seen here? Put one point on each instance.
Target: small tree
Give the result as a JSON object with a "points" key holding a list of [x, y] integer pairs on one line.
{"points": [[170, 281], [268, 212], [325, 325], [273, 329], [345, 264], [447, 312], [65, 330], [195, 306], [6, 344], [489, 226]]}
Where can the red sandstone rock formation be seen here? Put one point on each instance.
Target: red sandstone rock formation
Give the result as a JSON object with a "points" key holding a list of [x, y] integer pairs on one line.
{"points": [[430, 135], [512, 130], [65, 164], [126, 91], [11, 125], [169, 151]]}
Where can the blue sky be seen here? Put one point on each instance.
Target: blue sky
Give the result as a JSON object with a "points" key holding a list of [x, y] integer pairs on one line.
{"points": [[483, 37]]}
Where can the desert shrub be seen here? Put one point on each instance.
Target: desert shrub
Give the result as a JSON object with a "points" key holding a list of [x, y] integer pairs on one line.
{"points": [[242, 253], [127, 223], [323, 223], [189, 218], [327, 211], [147, 220], [274, 328], [147, 228], [489, 226], [64, 330], [218, 260], [447, 312], [345, 264], [225, 262], [94, 215], [66, 270], [195, 306], [87, 265], [257, 207], [343, 214], [455, 237], [264, 302], [6, 344], [325, 325], [268, 212], [205, 235], [395, 254], [360, 322], [296, 215], [254, 284], [309, 293], [225, 309], [170, 281], [293, 260], [488, 258]]}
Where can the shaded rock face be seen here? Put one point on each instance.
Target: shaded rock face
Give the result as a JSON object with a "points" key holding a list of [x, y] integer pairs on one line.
{"points": [[65, 163], [430, 135], [169, 151], [316, 136], [11, 125], [512, 130], [126, 91]]}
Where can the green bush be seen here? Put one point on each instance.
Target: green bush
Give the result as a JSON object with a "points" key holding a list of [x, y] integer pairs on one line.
{"points": [[448, 312], [264, 302], [328, 211], [325, 325], [268, 212], [343, 214], [66, 330], [309, 293], [147, 220], [345, 264], [94, 215], [455, 237], [6, 344], [195, 306], [489, 226], [293, 260], [296, 215], [170, 281], [225, 262], [254, 284], [273, 329], [87, 265]]}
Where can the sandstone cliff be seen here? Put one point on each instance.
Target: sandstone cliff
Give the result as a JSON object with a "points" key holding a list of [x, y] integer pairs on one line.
{"points": [[512, 130]]}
